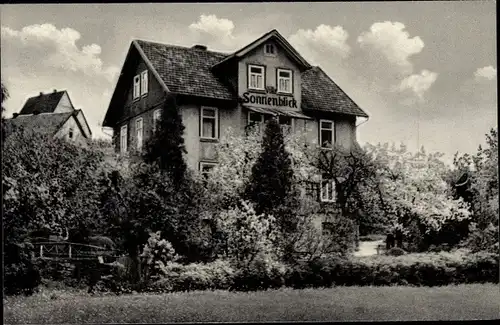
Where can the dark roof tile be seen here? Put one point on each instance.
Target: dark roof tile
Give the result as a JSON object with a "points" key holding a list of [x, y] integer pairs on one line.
{"points": [[44, 103], [319, 92], [187, 71]]}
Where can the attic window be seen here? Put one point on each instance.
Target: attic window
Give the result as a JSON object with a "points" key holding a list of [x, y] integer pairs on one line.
{"points": [[137, 86], [70, 133], [269, 50]]}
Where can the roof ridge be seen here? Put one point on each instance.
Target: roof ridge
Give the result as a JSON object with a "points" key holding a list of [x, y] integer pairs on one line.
{"points": [[179, 46]]}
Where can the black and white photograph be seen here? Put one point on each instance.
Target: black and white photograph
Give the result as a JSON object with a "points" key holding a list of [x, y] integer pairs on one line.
{"points": [[249, 162]]}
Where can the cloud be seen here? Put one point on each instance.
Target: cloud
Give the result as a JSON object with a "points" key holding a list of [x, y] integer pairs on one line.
{"points": [[488, 73], [418, 83], [57, 48], [390, 40], [324, 40], [213, 28]]}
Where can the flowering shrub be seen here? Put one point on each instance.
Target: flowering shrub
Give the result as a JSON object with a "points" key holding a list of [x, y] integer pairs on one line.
{"points": [[246, 234], [156, 253]]}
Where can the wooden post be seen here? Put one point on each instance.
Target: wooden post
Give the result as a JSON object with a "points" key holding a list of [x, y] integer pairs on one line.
{"points": [[41, 250], [69, 250]]}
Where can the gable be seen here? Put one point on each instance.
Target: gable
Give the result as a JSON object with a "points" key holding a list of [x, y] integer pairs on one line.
{"points": [[64, 104], [71, 124], [273, 36]]}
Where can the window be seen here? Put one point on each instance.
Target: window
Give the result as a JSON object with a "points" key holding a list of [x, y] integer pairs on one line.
{"points": [[139, 133], [156, 119], [144, 82], [209, 123], [326, 134], [70, 133], [123, 139], [255, 77], [284, 81], [206, 168], [328, 193], [269, 50], [286, 124], [137, 86]]}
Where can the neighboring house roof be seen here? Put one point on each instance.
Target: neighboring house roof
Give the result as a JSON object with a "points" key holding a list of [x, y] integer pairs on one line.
{"points": [[43, 103], [44, 123], [320, 92]]}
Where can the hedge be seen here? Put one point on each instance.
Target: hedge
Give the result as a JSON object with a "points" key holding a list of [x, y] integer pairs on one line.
{"points": [[433, 269]]}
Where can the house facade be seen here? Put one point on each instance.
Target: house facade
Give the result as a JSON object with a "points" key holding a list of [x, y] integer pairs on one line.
{"points": [[216, 91], [54, 114]]}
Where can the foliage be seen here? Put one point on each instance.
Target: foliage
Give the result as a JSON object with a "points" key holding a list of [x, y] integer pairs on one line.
{"points": [[156, 253], [271, 180], [194, 276], [167, 144], [245, 234], [430, 269], [412, 192], [311, 242]]}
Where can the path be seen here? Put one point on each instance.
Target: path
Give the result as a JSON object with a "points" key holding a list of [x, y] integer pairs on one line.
{"points": [[368, 248]]}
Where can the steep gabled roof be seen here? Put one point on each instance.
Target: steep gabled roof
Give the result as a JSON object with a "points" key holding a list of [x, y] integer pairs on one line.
{"points": [[46, 123], [186, 70], [320, 92], [280, 39], [43, 103]]}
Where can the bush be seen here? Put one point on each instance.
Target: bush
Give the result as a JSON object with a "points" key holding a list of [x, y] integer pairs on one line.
{"points": [[410, 269], [395, 251], [262, 273], [194, 276]]}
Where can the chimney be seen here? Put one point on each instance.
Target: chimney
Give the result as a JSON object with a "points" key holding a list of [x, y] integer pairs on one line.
{"points": [[200, 47], [15, 115], [55, 90], [41, 94]]}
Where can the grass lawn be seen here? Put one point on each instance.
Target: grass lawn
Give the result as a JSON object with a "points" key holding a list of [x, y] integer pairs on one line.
{"points": [[462, 302]]}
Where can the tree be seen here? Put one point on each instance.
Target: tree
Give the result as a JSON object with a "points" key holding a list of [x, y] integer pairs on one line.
{"points": [[167, 144], [272, 180]]}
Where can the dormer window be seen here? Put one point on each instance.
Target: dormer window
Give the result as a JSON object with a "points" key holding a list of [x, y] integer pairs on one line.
{"points": [[269, 50], [256, 75], [284, 81]]}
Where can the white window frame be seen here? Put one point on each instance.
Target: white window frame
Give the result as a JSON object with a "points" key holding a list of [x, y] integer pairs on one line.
{"points": [[156, 119], [123, 138], [216, 118], [331, 194], [269, 53], [332, 129], [262, 74], [144, 83], [203, 164], [137, 87], [139, 136], [290, 79]]}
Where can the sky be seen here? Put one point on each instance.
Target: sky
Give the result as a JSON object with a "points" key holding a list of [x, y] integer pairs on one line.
{"points": [[425, 72]]}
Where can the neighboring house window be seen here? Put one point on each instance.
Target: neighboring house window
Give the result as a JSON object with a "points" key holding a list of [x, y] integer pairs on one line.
{"points": [[156, 119], [284, 81], [269, 50], [209, 122], [206, 168], [139, 133], [70, 134], [137, 86], [327, 189], [256, 77], [144, 82], [123, 139], [326, 134], [286, 124]]}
